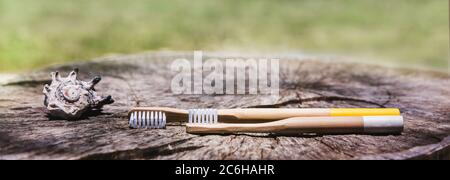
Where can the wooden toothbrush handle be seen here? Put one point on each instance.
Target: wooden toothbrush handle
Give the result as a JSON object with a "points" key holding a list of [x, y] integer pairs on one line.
{"points": [[299, 125], [272, 114]]}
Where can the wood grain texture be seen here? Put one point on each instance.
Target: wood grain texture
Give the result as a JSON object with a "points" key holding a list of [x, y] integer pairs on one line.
{"points": [[144, 80]]}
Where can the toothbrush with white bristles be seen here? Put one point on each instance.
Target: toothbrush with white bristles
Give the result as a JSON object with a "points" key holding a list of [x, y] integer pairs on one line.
{"points": [[157, 117], [307, 125]]}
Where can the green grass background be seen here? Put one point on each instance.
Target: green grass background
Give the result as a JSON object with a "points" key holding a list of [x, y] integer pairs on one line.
{"points": [[36, 33]]}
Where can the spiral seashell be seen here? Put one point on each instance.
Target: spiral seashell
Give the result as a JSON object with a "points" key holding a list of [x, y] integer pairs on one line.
{"points": [[69, 98]]}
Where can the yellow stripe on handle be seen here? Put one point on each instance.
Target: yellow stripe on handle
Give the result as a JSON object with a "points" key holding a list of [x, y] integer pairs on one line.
{"points": [[365, 112]]}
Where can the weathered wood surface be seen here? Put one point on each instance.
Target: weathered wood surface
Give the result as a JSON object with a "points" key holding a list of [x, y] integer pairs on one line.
{"points": [[423, 97]]}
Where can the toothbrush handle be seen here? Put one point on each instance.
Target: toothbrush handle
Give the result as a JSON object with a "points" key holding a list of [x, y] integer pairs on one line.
{"points": [[273, 114], [298, 125]]}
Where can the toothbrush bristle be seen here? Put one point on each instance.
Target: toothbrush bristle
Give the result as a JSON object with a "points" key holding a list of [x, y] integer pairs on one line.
{"points": [[203, 116], [147, 119]]}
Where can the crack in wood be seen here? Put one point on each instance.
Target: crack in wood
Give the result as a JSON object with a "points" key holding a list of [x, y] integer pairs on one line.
{"points": [[437, 151], [145, 153], [321, 98], [236, 148], [332, 148], [390, 96]]}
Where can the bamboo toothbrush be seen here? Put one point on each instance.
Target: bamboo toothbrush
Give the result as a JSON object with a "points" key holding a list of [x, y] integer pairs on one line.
{"points": [[300, 125], [156, 117]]}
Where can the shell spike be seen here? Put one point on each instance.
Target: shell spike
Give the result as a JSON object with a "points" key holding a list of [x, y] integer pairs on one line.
{"points": [[91, 84], [73, 75], [46, 89], [56, 76]]}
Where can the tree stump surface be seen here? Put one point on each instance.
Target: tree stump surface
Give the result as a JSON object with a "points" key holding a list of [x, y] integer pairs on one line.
{"points": [[423, 97]]}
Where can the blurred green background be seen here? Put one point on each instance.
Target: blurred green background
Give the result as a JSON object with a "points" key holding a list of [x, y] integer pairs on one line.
{"points": [[37, 33]]}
